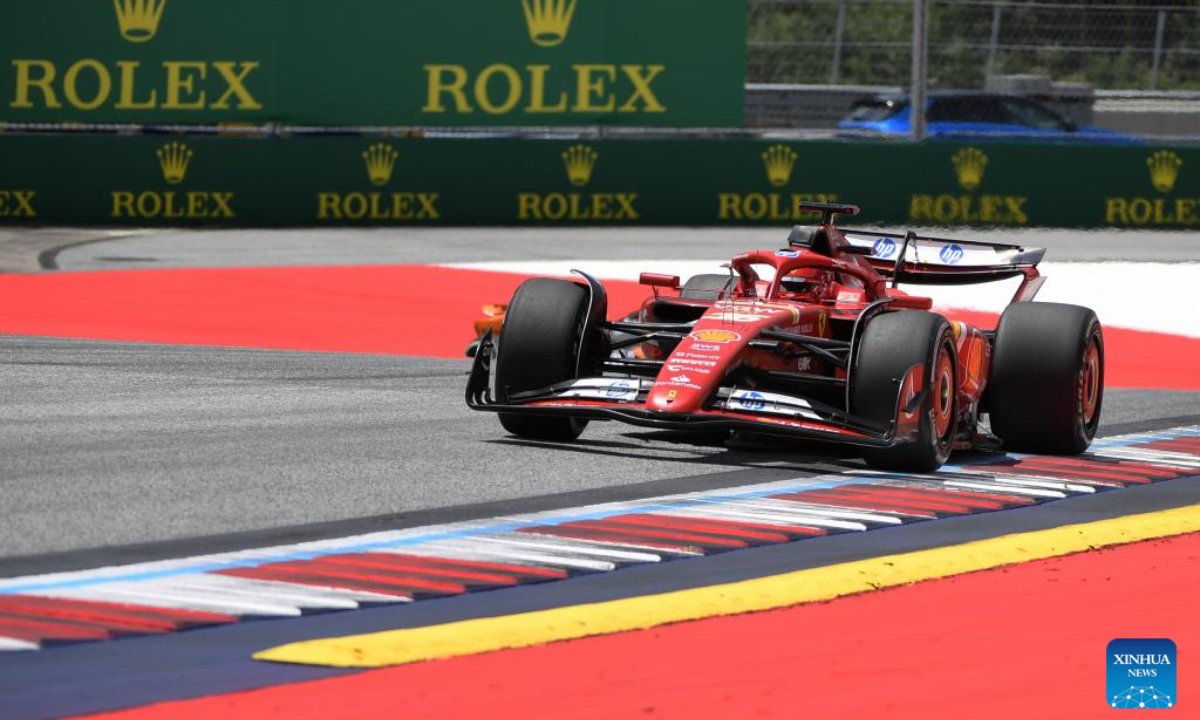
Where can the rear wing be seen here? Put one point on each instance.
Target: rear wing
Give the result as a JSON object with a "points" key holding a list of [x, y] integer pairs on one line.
{"points": [[941, 261]]}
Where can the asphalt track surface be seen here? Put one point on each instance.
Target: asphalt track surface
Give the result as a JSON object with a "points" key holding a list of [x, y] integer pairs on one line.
{"points": [[114, 452], [110, 444], [107, 449]]}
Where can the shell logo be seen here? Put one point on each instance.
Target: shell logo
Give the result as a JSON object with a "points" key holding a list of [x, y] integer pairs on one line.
{"points": [[717, 336]]}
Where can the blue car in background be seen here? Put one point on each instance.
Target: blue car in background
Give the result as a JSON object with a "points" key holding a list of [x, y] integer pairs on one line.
{"points": [[962, 115]]}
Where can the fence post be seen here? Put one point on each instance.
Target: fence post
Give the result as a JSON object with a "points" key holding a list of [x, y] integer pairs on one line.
{"points": [[920, 71], [991, 58], [836, 71], [1158, 42]]}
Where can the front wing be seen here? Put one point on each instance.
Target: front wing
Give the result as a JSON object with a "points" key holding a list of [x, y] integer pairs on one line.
{"points": [[770, 413]]}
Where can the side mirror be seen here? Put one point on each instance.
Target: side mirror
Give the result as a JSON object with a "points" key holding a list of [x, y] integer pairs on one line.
{"points": [[659, 280]]}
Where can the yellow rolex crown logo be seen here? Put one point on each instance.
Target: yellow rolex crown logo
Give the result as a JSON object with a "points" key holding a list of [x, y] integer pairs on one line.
{"points": [[1164, 169], [969, 164], [138, 19], [548, 20], [173, 158], [380, 159], [580, 160], [780, 161]]}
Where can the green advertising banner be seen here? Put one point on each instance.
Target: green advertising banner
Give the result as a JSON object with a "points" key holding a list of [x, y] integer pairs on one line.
{"points": [[168, 180], [374, 62]]}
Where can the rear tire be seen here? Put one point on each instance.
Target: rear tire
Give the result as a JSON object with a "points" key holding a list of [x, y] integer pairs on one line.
{"points": [[540, 343], [890, 346], [705, 287], [1046, 388]]}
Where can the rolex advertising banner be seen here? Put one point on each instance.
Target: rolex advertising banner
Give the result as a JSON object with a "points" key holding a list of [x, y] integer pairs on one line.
{"points": [[374, 62], [175, 180]]}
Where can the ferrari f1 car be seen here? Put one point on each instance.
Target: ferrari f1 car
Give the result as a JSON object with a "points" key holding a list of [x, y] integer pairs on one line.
{"points": [[811, 341]]}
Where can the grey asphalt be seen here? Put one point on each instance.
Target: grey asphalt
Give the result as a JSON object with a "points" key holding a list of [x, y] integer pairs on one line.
{"points": [[107, 444], [113, 443]]}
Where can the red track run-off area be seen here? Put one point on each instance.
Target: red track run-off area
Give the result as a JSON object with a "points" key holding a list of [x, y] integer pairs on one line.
{"points": [[1020, 641], [394, 309]]}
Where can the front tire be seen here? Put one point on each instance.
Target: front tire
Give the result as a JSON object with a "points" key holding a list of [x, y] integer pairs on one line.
{"points": [[1047, 382], [540, 345], [890, 346]]}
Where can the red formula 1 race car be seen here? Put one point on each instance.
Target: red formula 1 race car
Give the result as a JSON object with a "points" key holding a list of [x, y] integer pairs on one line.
{"points": [[812, 342]]}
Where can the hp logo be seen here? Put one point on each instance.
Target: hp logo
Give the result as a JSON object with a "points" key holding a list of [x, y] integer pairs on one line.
{"points": [[884, 248], [951, 254], [752, 401], [618, 389]]}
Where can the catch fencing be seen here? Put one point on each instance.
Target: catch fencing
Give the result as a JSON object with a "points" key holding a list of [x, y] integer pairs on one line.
{"points": [[1146, 47], [1124, 66]]}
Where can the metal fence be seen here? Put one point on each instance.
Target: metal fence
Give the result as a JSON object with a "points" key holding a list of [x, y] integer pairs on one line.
{"points": [[1109, 46]]}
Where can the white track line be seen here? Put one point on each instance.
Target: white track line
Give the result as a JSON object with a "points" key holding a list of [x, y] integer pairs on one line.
{"points": [[301, 596], [452, 548], [147, 593], [8, 644], [569, 547]]}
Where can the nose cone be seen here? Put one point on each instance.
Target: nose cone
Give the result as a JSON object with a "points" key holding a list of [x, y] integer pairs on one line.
{"points": [[695, 369], [663, 402], [681, 390]]}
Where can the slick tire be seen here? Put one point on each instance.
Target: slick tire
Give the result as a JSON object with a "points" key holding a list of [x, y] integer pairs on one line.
{"points": [[705, 287], [539, 346], [1046, 388], [890, 346]]}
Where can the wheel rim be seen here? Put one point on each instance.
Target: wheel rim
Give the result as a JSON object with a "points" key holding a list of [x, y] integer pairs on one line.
{"points": [[1089, 383], [943, 393]]}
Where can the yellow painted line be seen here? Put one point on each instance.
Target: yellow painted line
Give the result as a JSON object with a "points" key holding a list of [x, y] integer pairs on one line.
{"points": [[469, 637]]}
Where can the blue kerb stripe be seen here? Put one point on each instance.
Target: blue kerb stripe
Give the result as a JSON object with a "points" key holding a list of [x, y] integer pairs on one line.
{"points": [[415, 540], [1096, 445], [506, 527], [1190, 432]]}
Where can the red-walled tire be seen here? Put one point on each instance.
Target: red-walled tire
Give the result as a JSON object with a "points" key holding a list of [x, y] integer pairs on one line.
{"points": [[1046, 388], [890, 346], [539, 346]]}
